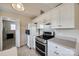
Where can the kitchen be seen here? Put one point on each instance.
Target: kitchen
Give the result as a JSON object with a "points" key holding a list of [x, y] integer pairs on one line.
{"points": [[57, 31], [50, 29]]}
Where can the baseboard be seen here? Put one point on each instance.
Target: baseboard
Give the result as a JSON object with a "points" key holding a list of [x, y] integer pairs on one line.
{"points": [[23, 45]]}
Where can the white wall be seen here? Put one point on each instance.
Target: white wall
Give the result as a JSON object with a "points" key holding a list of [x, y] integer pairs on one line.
{"points": [[0, 35], [67, 32]]}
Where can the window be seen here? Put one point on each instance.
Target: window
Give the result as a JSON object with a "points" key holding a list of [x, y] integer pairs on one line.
{"points": [[13, 27]]}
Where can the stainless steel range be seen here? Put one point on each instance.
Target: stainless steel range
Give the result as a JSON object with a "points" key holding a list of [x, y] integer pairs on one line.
{"points": [[42, 43]]}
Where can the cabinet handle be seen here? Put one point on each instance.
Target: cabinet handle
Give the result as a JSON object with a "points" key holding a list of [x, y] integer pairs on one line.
{"points": [[56, 47], [56, 53]]}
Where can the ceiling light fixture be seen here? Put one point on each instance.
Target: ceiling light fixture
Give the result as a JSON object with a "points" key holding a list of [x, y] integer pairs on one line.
{"points": [[18, 6]]}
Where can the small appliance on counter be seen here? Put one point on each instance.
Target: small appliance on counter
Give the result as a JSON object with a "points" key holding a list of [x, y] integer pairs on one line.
{"points": [[42, 43]]}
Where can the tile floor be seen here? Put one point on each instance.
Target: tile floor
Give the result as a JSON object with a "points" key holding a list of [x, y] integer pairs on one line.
{"points": [[25, 51]]}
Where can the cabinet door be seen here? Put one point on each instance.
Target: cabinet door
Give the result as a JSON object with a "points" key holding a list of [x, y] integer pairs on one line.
{"points": [[66, 16], [54, 17], [51, 48], [66, 51]]}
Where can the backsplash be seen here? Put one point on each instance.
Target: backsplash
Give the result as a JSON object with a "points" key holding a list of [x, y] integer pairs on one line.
{"points": [[64, 32], [69, 33]]}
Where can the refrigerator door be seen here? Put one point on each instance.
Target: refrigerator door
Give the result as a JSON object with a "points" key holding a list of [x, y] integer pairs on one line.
{"points": [[31, 37]]}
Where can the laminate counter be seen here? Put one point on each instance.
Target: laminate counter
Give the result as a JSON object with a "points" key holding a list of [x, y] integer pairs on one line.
{"points": [[64, 42]]}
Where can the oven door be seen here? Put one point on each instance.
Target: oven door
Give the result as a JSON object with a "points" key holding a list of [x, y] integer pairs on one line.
{"points": [[40, 45], [40, 48]]}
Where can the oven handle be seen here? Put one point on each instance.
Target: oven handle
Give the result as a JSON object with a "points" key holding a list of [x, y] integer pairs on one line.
{"points": [[40, 42]]}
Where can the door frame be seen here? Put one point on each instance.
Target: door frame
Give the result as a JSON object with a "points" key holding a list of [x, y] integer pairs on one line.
{"points": [[17, 43]]}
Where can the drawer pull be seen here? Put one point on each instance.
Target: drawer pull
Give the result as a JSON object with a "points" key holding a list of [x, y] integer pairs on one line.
{"points": [[56, 53], [56, 47]]}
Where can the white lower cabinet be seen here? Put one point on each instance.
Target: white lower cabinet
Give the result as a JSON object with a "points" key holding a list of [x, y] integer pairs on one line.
{"points": [[57, 50]]}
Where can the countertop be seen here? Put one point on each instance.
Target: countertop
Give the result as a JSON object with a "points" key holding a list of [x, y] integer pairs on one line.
{"points": [[64, 42]]}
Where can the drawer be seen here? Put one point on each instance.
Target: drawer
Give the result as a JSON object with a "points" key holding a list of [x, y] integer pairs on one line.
{"points": [[58, 50], [66, 51], [55, 53], [53, 46], [53, 49]]}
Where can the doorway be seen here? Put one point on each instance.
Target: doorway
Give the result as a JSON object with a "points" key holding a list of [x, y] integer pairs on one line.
{"points": [[9, 34], [13, 33]]}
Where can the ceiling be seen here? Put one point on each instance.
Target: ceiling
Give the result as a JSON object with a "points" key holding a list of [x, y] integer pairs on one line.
{"points": [[31, 9]]}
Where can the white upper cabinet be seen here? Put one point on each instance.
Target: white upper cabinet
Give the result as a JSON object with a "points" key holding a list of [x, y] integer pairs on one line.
{"points": [[66, 14], [42, 19], [59, 17], [54, 16], [63, 16]]}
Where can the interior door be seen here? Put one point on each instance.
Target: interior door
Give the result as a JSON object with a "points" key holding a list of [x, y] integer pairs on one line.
{"points": [[17, 31]]}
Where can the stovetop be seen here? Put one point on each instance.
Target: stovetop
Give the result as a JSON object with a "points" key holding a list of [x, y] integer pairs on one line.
{"points": [[45, 37]]}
